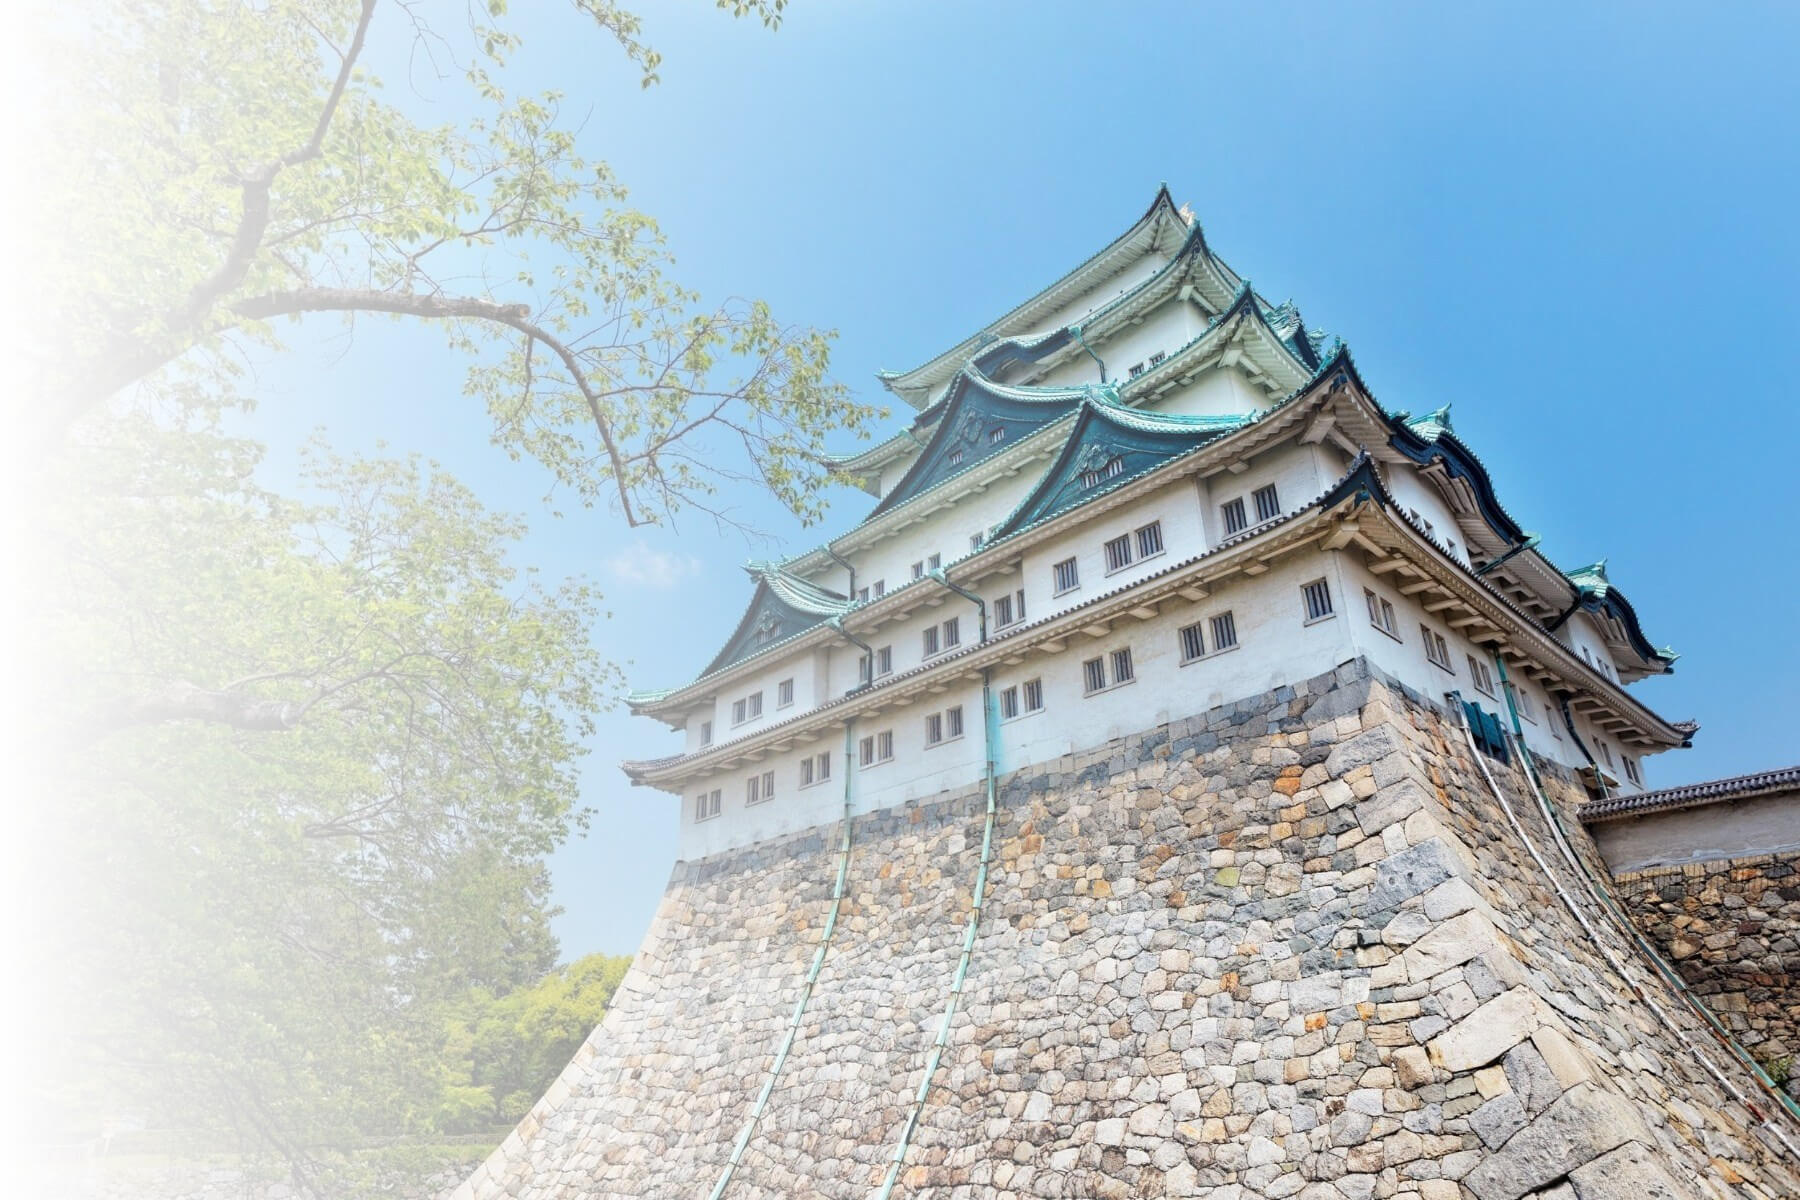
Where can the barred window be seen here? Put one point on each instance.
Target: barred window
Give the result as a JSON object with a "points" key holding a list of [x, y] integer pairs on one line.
{"points": [[1235, 521], [1193, 642], [934, 729], [1118, 552], [884, 745], [755, 705], [706, 733], [1317, 598], [1121, 666], [706, 805], [1149, 540], [1268, 504], [953, 722], [1093, 674], [1068, 577], [934, 562], [1034, 695], [1009, 703], [824, 771], [738, 710], [918, 569], [1381, 614], [1480, 676], [930, 636], [865, 751], [884, 661], [806, 771], [1224, 632], [1003, 611], [952, 632], [1156, 359], [753, 790], [956, 457], [996, 434], [1436, 650], [784, 693]]}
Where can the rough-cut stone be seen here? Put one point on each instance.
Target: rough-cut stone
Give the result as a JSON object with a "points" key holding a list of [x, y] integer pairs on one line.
{"points": [[1629, 1173], [1185, 981], [1584, 1124], [1488, 1032]]}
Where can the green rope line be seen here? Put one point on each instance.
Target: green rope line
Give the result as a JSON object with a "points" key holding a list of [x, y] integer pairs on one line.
{"points": [[812, 977], [962, 966]]}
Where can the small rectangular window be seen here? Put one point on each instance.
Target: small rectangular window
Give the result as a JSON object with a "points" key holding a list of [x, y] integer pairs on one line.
{"points": [[865, 751], [1009, 703], [996, 435], [918, 570], [1435, 648], [974, 542], [1631, 770], [956, 457], [768, 788], [1268, 504], [1137, 368], [1034, 695], [753, 790], [1121, 666], [755, 705], [806, 772], [1224, 632], [862, 595], [1479, 674], [1381, 614], [1068, 578], [784, 693], [1019, 605], [934, 729], [953, 723], [1118, 553], [884, 745], [1235, 521], [824, 771], [707, 805], [706, 733], [865, 669], [1149, 540], [1193, 642], [884, 661], [952, 632], [739, 711], [934, 562], [930, 636], [1003, 611], [1156, 359], [1093, 675], [1606, 753], [880, 588], [1317, 599]]}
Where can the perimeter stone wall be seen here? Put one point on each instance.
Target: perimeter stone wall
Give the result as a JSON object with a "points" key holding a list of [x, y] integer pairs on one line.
{"points": [[1292, 946], [1732, 928]]}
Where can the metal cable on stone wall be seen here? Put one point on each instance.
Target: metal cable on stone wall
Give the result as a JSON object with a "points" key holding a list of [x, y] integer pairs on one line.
{"points": [[806, 990]]}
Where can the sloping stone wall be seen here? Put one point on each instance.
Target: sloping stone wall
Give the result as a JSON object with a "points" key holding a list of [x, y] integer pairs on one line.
{"points": [[1732, 928], [1288, 947]]}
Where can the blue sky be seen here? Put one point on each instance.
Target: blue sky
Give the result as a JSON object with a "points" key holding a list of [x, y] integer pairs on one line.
{"points": [[1577, 228]]}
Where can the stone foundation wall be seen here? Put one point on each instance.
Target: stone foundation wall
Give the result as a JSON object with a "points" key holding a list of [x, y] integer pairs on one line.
{"points": [[1732, 928], [1288, 947]]}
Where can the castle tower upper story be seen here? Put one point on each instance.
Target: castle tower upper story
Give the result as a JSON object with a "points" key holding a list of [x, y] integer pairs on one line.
{"points": [[1143, 492]]}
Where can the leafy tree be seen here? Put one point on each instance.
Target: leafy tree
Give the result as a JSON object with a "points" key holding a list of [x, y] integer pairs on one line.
{"points": [[307, 752], [502, 1052]]}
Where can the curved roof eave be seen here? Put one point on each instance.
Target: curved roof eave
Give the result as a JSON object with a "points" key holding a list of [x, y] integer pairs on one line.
{"points": [[1162, 209]]}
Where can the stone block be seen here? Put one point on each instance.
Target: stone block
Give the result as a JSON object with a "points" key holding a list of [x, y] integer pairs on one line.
{"points": [[1581, 1126], [1488, 1032], [1415, 869], [1631, 1172], [1451, 944]]}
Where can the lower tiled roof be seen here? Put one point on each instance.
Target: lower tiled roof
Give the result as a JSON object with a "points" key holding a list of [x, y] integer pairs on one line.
{"points": [[1692, 795]]}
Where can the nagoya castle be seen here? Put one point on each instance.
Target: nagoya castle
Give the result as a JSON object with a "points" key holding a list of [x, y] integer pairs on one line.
{"points": [[1187, 778]]}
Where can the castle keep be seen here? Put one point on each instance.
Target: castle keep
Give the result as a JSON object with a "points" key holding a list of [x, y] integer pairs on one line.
{"points": [[1173, 786]]}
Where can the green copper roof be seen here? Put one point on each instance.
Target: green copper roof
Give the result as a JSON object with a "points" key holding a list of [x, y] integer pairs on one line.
{"points": [[980, 418], [1109, 446], [782, 607]]}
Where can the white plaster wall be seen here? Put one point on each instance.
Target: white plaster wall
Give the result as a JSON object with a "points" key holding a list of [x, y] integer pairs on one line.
{"points": [[1274, 647], [1218, 392], [1409, 491]]}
